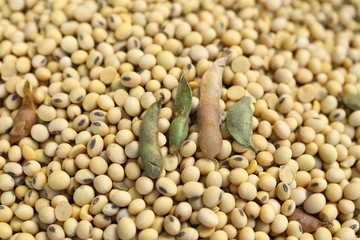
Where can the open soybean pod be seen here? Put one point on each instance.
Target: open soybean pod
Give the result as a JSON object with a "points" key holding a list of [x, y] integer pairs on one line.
{"points": [[25, 117], [179, 127], [209, 112], [148, 141], [308, 222], [239, 122]]}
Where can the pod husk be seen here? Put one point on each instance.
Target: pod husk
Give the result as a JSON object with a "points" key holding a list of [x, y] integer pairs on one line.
{"points": [[179, 127], [209, 112], [148, 142], [239, 122], [25, 117], [308, 222]]}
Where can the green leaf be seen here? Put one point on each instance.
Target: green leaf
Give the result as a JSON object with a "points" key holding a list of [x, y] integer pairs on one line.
{"points": [[352, 101], [239, 122], [148, 141]]}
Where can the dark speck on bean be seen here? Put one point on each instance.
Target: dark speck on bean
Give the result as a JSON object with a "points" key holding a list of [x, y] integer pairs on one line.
{"points": [[82, 121], [88, 180], [97, 59], [95, 200], [92, 143], [241, 212], [180, 234], [99, 114], [14, 97], [162, 189], [285, 187]]}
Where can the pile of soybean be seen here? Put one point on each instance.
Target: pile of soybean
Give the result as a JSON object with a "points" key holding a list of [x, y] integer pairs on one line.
{"points": [[88, 71]]}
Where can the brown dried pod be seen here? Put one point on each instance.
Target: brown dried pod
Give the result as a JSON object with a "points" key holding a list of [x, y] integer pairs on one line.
{"points": [[208, 111], [308, 222], [25, 117]]}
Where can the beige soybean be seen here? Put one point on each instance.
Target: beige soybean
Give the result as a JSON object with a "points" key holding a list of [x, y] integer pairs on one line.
{"points": [[47, 215], [280, 223], [212, 196], [149, 233], [144, 185], [6, 182], [328, 153], [281, 129], [267, 183], [171, 225], [238, 218], [350, 191], [247, 191], [190, 173], [183, 211], [144, 219], [126, 228], [237, 176], [193, 189], [314, 203], [166, 186], [59, 180], [267, 213], [213, 179], [163, 205], [83, 195], [208, 218], [120, 198], [24, 212]]}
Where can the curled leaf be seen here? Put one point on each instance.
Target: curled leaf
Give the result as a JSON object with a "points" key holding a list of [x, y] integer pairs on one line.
{"points": [[25, 117], [308, 222], [352, 101], [239, 122], [179, 127], [148, 141]]}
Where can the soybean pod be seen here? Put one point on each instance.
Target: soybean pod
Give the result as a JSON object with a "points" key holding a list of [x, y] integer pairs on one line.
{"points": [[25, 117], [308, 222], [148, 141], [209, 112], [239, 122], [179, 127]]}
